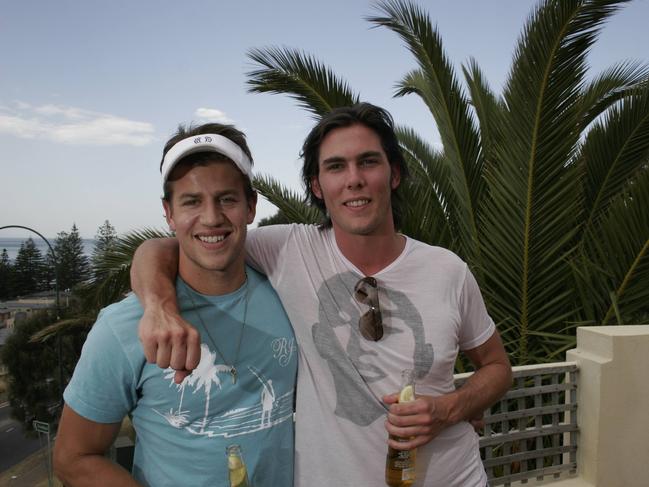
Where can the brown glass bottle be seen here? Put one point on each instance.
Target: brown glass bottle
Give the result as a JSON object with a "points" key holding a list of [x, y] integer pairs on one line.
{"points": [[400, 464]]}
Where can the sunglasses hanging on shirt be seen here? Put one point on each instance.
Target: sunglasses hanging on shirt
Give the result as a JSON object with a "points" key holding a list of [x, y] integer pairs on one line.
{"points": [[366, 291]]}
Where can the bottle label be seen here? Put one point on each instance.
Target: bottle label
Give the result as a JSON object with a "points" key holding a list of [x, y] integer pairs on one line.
{"points": [[408, 474]]}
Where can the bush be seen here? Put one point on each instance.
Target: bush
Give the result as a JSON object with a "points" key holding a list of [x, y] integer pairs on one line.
{"points": [[33, 369]]}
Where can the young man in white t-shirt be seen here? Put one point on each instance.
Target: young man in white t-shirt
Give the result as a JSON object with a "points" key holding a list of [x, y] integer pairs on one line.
{"points": [[425, 306]]}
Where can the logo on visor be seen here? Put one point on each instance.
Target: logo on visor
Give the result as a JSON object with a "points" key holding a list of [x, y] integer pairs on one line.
{"points": [[198, 140]]}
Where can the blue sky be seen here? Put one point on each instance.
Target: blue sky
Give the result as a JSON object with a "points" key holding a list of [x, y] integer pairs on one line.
{"points": [[90, 90]]}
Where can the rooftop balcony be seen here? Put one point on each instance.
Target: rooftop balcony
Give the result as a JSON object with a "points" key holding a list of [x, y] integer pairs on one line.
{"points": [[580, 423]]}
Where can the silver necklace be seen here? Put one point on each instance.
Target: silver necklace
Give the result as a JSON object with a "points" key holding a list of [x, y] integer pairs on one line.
{"points": [[233, 365]]}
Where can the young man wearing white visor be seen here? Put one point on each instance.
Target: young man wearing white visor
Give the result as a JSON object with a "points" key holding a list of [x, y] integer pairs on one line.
{"points": [[242, 390]]}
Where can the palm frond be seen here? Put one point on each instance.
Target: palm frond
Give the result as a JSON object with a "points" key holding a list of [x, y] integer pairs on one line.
{"points": [[287, 201], [615, 152], [63, 327], [436, 84], [426, 216], [489, 109], [533, 211], [112, 269], [297, 74], [618, 247], [611, 86]]}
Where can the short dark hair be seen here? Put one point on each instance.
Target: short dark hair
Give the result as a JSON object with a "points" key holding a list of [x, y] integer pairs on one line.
{"points": [[376, 119], [203, 158]]}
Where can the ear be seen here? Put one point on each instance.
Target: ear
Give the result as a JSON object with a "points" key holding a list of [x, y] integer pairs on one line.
{"points": [[315, 187], [168, 215], [395, 176], [252, 207]]}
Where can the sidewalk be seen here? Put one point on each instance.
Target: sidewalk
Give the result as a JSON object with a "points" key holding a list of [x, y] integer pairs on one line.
{"points": [[31, 472]]}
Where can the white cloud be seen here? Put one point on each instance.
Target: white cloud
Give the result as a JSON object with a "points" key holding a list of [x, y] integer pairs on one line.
{"points": [[71, 125], [212, 115]]}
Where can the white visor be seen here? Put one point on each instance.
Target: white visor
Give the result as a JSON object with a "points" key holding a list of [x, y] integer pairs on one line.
{"points": [[205, 143]]}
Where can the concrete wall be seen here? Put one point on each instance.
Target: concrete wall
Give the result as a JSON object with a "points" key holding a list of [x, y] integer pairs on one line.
{"points": [[613, 398]]}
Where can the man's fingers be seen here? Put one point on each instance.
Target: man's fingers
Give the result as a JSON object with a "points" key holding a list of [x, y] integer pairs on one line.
{"points": [[391, 399], [410, 444], [178, 349], [478, 424], [180, 375], [163, 355], [193, 349], [150, 350]]}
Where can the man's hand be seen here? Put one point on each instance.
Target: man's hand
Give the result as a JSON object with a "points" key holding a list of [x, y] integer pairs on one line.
{"points": [[169, 341], [419, 421]]}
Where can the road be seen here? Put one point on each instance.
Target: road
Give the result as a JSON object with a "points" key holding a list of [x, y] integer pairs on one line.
{"points": [[14, 447]]}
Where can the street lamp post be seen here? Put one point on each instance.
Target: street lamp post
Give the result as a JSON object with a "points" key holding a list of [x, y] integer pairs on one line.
{"points": [[56, 292]]}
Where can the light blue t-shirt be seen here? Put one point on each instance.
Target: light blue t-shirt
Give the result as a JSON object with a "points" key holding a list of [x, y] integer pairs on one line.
{"points": [[183, 430]]}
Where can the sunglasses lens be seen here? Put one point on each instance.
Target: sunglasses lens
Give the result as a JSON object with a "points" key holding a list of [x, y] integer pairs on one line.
{"points": [[371, 325]]}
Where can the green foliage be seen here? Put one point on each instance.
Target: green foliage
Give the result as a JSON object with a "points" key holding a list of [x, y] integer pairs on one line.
{"points": [[72, 264], [29, 269], [289, 203], [541, 189], [111, 280], [33, 369], [6, 276], [105, 239], [314, 86], [278, 218]]}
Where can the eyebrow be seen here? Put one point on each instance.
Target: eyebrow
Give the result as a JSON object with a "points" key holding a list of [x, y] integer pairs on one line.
{"points": [[189, 195], [362, 155], [218, 194]]}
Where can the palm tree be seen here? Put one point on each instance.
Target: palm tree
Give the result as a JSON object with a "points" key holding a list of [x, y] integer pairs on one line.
{"points": [[178, 418], [543, 189], [206, 374]]}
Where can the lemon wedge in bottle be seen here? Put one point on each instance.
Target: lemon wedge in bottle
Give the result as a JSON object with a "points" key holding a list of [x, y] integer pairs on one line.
{"points": [[407, 394]]}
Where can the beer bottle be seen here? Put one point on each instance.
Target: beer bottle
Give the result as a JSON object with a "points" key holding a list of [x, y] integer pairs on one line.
{"points": [[237, 467], [400, 464]]}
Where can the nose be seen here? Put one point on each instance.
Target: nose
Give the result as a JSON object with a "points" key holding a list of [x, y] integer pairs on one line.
{"points": [[355, 177], [212, 214]]}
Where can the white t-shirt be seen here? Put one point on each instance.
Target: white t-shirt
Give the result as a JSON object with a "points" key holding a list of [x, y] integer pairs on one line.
{"points": [[431, 308]]}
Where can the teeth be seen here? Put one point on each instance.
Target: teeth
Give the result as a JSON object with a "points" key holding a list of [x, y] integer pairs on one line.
{"points": [[211, 239], [357, 202]]}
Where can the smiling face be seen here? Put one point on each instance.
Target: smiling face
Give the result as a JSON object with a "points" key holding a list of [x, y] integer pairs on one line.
{"points": [[209, 212], [355, 181]]}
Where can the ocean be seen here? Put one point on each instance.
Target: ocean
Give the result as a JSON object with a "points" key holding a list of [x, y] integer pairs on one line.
{"points": [[13, 245]]}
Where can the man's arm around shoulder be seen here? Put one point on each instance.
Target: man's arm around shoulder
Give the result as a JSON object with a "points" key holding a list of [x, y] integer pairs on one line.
{"points": [[79, 451], [167, 339]]}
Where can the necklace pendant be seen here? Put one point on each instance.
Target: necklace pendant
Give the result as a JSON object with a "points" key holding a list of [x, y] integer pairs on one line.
{"points": [[233, 373]]}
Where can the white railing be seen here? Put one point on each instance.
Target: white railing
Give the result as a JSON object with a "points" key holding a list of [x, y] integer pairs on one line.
{"points": [[531, 433]]}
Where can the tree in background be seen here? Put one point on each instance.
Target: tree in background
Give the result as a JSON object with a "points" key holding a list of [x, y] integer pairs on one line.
{"points": [[6, 276], [105, 240], [543, 189], [28, 269], [33, 367], [73, 267]]}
